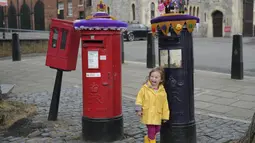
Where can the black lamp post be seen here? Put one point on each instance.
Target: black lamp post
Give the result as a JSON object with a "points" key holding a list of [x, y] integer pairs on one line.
{"points": [[18, 14]]}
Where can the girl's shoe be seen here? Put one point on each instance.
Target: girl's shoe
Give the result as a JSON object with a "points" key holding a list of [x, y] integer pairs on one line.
{"points": [[146, 139], [153, 141]]}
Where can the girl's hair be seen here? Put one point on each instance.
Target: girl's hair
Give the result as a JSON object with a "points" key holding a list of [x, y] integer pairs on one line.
{"points": [[161, 72]]}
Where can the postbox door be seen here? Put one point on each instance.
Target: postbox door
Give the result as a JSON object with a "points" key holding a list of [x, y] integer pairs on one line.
{"points": [[97, 81], [54, 42], [64, 35]]}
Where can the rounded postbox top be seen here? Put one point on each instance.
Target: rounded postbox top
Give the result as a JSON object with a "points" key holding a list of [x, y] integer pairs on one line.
{"points": [[100, 21], [172, 16]]}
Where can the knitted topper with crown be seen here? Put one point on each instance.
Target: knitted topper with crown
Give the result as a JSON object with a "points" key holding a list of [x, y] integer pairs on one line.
{"points": [[174, 18], [100, 21]]}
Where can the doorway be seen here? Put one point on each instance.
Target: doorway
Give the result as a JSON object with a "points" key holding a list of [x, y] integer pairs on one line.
{"points": [[217, 17], [248, 18]]}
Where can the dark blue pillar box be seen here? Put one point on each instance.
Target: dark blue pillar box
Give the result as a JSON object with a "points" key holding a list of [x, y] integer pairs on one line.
{"points": [[176, 56], [177, 51], [175, 44]]}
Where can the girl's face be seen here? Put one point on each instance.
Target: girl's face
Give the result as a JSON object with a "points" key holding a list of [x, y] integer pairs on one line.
{"points": [[155, 78]]}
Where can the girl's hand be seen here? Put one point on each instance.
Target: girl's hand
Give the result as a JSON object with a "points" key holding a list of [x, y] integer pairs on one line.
{"points": [[139, 113]]}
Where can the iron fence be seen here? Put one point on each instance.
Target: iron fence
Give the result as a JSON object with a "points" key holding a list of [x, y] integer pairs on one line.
{"points": [[6, 33]]}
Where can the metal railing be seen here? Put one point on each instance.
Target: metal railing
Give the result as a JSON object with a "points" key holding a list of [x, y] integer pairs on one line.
{"points": [[6, 33]]}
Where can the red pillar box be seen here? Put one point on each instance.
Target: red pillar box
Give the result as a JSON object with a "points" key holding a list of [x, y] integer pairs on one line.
{"points": [[101, 71], [63, 45]]}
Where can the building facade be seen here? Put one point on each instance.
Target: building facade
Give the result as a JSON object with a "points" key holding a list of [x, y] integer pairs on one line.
{"points": [[223, 18], [37, 14], [218, 18]]}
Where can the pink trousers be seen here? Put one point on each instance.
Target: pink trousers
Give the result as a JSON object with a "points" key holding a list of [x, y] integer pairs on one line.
{"points": [[152, 131]]}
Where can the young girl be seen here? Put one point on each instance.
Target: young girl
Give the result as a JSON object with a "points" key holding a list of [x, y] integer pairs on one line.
{"points": [[151, 104]]}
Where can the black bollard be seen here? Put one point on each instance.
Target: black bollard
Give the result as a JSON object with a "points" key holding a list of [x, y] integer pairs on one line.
{"points": [[151, 63], [122, 48], [176, 56], [53, 113], [237, 58], [15, 47]]}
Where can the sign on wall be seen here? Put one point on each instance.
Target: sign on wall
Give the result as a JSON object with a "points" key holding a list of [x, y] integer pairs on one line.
{"points": [[227, 29]]}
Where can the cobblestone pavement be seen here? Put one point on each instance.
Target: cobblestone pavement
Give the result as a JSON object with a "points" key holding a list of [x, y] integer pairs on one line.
{"points": [[68, 126]]}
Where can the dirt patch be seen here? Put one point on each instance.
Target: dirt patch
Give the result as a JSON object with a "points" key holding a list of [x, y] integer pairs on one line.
{"points": [[23, 127], [13, 111]]}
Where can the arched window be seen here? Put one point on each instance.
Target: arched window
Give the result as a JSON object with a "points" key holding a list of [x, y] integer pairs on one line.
{"points": [[81, 2], [205, 17], [194, 11], [152, 10], [190, 10], [108, 10], [133, 11], [197, 11]]}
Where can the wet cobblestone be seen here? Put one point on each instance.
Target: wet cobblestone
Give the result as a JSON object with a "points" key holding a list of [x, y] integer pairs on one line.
{"points": [[68, 126]]}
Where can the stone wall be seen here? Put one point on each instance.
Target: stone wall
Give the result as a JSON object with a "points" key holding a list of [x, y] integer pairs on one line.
{"points": [[230, 9], [26, 46]]}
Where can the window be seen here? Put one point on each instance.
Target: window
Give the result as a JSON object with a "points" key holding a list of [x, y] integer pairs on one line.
{"points": [[70, 8], [54, 38], [63, 40], [197, 11], [142, 26], [194, 11], [152, 10], [60, 6], [81, 2], [205, 17], [108, 10], [81, 14], [89, 2]]}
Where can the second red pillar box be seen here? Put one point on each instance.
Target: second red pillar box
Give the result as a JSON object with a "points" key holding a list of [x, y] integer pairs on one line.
{"points": [[101, 74]]}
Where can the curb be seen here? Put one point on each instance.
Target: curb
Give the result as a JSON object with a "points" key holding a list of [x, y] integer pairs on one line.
{"points": [[195, 70]]}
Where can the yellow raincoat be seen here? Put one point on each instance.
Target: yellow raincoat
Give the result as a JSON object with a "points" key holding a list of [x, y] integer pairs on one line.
{"points": [[154, 104]]}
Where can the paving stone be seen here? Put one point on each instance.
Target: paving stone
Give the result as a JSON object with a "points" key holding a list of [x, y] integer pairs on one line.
{"points": [[245, 97], [205, 97], [220, 108], [68, 126], [34, 134], [228, 94], [248, 90], [223, 101], [244, 104], [202, 105], [232, 88], [45, 134]]}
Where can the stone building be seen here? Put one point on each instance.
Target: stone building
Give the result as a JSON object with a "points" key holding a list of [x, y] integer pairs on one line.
{"points": [[131, 10], [218, 18], [223, 18]]}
